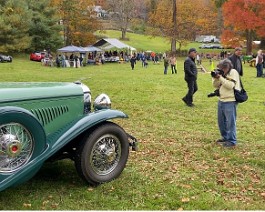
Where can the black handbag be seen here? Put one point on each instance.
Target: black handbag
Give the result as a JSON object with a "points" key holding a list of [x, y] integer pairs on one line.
{"points": [[241, 96]]}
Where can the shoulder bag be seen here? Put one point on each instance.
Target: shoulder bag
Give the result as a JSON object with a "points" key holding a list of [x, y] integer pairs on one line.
{"points": [[241, 96]]}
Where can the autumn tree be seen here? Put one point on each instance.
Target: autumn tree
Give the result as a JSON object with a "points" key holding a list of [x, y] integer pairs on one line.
{"points": [[123, 12], [243, 20], [220, 21], [79, 22], [15, 20], [189, 21], [138, 21]]}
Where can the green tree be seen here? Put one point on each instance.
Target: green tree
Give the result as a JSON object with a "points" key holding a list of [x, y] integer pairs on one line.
{"points": [[15, 19], [44, 26]]}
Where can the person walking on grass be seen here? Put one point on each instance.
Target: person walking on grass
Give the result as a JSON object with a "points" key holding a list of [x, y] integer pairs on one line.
{"points": [[133, 61], [166, 64], [190, 70], [173, 61]]}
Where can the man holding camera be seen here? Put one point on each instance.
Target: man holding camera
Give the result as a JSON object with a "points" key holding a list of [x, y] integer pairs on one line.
{"points": [[225, 78], [190, 70]]}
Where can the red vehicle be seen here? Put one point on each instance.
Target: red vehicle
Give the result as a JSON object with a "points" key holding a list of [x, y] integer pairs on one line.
{"points": [[37, 56]]}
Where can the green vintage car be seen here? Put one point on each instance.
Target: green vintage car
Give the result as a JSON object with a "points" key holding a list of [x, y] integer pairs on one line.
{"points": [[48, 121]]}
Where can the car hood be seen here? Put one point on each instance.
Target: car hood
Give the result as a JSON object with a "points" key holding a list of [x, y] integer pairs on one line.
{"points": [[20, 91]]}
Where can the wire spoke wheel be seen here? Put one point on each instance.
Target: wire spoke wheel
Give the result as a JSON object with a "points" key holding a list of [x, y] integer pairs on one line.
{"points": [[103, 154], [106, 154], [16, 147]]}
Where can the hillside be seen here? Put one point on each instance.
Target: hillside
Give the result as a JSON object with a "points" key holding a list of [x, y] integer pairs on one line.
{"points": [[140, 42], [145, 42]]}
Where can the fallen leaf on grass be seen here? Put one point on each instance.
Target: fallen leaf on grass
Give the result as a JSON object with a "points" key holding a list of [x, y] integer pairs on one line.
{"points": [[27, 205], [186, 186], [263, 194], [185, 199], [220, 182], [55, 205], [45, 202]]}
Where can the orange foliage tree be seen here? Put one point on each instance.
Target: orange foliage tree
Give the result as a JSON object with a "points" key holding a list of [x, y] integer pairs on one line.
{"points": [[243, 19], [78, 19], [190, 21]]}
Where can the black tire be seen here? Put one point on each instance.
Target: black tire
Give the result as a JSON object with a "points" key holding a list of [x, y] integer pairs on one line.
{"points": [[103, 154], [22, 138]]}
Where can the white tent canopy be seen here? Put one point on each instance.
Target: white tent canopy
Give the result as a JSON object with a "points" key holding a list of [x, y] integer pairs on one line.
{"points": [[92, 49], [72, 48], [108, 43]]}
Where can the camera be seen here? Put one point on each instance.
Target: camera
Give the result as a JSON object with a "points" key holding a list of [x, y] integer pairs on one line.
{"points": [[216, 72], [215, 93]]}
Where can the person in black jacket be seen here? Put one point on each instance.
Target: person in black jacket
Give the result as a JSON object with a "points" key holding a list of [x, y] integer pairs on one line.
{"points": [[133, 61], [236, 60], [190, 70]]}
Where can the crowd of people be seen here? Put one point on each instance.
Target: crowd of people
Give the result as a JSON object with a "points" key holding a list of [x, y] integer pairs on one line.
{"points": [[64, 61], [77, 59], [225, 79]]}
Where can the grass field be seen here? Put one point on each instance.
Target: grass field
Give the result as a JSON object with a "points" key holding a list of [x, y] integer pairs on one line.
{"points": [[177, 167]]}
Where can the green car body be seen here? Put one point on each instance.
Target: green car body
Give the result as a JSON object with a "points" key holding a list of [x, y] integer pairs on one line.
{"points": [[49, 121], [247, 58]]}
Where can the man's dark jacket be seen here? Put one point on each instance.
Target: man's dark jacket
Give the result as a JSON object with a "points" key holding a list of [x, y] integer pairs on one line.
{"points": [[233, 58], [190, 69]]}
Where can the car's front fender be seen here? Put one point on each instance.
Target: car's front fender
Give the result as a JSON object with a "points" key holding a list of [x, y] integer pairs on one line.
{"points": [[84, 124]]}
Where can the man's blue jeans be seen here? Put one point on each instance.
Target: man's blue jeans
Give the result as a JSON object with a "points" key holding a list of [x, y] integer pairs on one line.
{"points": [[227, 120], [259, 70]]}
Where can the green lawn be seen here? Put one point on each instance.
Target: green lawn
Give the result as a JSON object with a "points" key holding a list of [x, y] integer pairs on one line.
{"points": [[140, 42], [178, 166]]}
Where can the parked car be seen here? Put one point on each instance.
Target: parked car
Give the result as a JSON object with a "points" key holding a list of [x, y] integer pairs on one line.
{"points": [[5, 58], [41, 122], [211, 46], [37, 56], [216, 46], [205, 46]]}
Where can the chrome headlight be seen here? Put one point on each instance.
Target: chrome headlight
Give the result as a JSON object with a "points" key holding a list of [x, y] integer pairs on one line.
{"points": [[102, 102], [87, 97]]}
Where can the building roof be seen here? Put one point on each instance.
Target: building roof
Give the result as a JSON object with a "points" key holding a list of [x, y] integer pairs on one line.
{"points": [[108, 43]]}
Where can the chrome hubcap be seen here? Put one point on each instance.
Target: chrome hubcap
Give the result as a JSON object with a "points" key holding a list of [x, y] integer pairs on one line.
{"points": [[16, 147], [106, 154]]}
